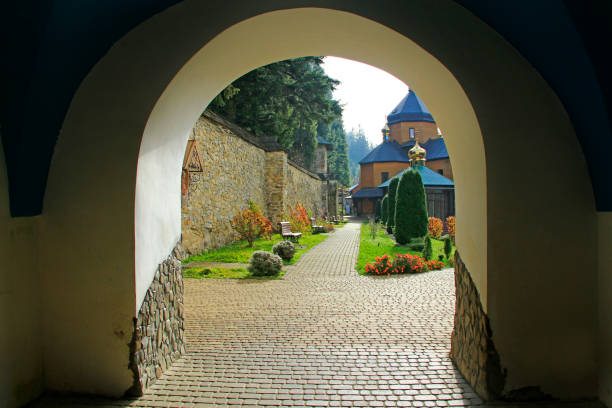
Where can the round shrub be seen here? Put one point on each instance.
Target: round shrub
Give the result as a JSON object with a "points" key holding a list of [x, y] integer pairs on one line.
{"points": [[284, 249], [264, 263]]}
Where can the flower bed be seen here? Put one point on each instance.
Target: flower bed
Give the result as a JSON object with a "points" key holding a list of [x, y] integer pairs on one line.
{"points": [[401, 263]]}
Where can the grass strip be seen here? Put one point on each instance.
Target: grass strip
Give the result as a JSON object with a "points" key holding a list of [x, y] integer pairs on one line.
{"points": [[239, 252], [383, 244], [224, 273]]}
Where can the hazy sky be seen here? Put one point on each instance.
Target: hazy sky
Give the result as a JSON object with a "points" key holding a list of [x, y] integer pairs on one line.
{"points": [[367, 93]]}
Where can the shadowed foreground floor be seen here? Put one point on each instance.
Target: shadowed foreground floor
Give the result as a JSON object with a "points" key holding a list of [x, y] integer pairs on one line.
{"points": [[321, 336]]}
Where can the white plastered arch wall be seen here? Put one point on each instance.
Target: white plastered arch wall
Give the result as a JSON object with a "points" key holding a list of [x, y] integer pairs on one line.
{"points": [[289, 34], [134, 111]]}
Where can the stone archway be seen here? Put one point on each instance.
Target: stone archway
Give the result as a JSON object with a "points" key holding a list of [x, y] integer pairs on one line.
{"points": [[153, 84]]}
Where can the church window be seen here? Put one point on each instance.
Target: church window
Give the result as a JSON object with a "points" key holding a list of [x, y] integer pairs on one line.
{"points": [[385, 176], [411, 133], [441, 171]]}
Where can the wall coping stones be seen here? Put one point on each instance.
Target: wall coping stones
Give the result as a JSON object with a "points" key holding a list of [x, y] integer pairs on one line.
{"points": [[266, 143]]}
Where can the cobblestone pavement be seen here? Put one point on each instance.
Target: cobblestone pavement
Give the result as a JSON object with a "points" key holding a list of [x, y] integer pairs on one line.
{"points": [[321, 336]]}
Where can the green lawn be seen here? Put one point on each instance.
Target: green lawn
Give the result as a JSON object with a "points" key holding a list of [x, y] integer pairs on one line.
{"points": [[224, 273], [239, 252], [370, 248]]}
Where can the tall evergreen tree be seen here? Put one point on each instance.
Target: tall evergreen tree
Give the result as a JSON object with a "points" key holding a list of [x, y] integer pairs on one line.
{"points": [[384, 209], [358, 148], [337, 159], [391, 204], [286, 99], [411, 217]]}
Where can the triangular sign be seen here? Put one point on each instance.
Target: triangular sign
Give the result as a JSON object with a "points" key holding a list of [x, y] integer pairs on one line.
{"points": [[192, 161]]}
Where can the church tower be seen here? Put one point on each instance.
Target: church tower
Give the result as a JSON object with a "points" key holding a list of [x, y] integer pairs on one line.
{"points": [[411, 121]]}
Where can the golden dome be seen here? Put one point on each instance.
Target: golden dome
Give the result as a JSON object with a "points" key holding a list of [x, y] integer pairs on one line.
{"points": [[386, 132], [417, 152]]}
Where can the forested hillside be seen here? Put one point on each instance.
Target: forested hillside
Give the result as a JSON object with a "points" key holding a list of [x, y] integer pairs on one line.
{"points": [[358, 148]]}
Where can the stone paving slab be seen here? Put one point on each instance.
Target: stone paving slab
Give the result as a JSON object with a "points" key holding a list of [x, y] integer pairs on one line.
{"points": [[321, 336]]}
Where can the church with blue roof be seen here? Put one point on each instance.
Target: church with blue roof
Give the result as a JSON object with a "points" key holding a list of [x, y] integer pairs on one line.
{"points": [[410, 126]]}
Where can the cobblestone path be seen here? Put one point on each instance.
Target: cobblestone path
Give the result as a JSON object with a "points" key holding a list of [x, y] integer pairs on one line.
{"points": [[321, 336]]}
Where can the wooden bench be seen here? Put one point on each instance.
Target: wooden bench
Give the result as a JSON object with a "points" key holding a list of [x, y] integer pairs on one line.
{"points": [[316, 228], [285, 228]]}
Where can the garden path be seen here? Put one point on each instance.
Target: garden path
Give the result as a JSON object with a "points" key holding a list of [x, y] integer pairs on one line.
{"points": [[321, 336]]}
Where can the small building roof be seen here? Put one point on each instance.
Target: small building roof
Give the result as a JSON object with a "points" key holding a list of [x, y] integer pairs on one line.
{"points": [[351, 188], [410, 109], [430, 178], [386, 152], [436, 148], [372, 192], [325, 143]]}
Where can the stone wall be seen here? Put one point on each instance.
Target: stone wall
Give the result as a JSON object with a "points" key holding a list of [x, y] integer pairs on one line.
{"points": [[233, 172], [237, 167], [306, 188], [472, 349], [276, 180], [158, 334]]}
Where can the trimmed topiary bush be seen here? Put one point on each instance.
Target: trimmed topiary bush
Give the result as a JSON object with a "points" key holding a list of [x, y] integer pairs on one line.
{"points": [[377, 209], [391, 204], [448, 247], [427, 251], [284, 249], [384, 209], [264, 263], [411, 218]]}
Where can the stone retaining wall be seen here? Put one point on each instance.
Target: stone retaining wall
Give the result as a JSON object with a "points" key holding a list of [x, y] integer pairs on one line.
{"points": [[472, 349], [233, 172], [237, 167], [158, 333], [305, 188]]}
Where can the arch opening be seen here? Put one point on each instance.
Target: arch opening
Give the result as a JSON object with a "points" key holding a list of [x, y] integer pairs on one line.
{"points": [[167, 111]]}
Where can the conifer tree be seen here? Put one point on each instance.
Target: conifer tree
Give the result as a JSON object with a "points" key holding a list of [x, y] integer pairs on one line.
{"points": [[384, 209], [448, 247], [286, 99], [427, 250], [391, 204], [411, 217]]}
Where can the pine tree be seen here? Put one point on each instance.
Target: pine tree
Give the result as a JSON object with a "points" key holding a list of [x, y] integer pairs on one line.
{"points": [[411, 217], [391, 204], [287, 100], [384, 209], [358, 148], [337, 158]]}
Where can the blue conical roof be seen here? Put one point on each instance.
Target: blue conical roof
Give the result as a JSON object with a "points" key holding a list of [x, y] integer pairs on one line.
{"points": [[410, 109]]}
